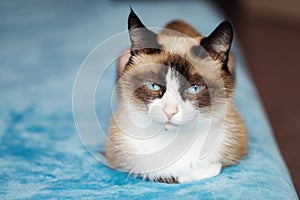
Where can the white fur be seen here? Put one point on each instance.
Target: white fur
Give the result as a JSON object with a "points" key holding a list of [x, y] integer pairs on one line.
{"points": [[151, 138]]}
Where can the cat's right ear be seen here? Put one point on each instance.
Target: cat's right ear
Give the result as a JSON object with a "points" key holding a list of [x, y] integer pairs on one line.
{"points": [[142, 39]]}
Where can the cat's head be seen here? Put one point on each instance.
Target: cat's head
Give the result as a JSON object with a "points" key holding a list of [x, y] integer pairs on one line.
{"points": [[172, 78]]}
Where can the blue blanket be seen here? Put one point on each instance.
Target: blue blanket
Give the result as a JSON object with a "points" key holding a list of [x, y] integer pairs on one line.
{"points": [[42, 45]]}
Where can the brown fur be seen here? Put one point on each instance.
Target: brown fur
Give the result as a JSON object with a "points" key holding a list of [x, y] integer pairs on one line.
{"points": [[233, 153], [182, 27], [233, 150]]}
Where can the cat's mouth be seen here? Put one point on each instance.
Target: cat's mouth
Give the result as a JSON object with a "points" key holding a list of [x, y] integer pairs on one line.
{"points": [[171, 126]]}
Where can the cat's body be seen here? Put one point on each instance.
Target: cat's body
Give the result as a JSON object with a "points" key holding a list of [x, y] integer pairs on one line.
{"points": [[176, 121]]}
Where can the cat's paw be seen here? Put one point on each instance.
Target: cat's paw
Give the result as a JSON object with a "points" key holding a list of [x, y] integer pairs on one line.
{"points": [[207, 171], [203, 172]]}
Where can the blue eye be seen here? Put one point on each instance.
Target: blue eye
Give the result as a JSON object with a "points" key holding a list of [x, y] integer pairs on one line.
{"points": [[195, 89], [152, 86]]}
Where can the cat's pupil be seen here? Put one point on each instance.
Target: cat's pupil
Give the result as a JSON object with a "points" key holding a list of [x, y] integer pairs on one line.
{"points": [[195, 87]]}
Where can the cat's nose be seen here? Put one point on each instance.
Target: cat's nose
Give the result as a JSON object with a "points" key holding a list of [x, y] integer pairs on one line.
{"points": [[170, 111]]}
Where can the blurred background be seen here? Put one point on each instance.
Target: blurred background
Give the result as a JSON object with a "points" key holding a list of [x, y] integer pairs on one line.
{"points": [[269, 34]]}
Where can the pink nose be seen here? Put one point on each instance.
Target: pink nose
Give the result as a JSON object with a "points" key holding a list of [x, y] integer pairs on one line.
{"points": [[170, 111]]}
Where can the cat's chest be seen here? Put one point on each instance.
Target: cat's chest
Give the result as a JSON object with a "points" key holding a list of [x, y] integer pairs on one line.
{"points": [[186, 140]]}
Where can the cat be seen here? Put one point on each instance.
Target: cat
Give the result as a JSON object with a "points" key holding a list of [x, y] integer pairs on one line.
{"points": [[176, 121]]}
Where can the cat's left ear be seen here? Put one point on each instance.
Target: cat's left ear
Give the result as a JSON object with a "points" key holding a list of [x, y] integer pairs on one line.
{"points": [[142, 39], [218, 43]]}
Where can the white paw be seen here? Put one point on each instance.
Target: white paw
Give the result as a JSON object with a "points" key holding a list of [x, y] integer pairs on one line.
{"points": [[202, 172], [208, 170], [215, 170], [185, 179]]}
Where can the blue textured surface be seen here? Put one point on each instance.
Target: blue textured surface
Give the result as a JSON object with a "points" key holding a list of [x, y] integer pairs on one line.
{"points": [[42, 44]]}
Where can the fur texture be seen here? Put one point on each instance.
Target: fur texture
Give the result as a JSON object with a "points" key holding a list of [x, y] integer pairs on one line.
{"points": [[176, 121]]}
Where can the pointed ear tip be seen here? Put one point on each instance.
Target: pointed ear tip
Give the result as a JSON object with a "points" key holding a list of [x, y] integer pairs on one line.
{"points": [[227, 24], [227, 21], [131, 17], [131, 12], [131, 9]]}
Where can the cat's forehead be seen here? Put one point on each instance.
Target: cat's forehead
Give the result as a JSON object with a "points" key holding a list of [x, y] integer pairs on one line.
{"points": [[186, 65], [178, 44], [176, 52]]}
